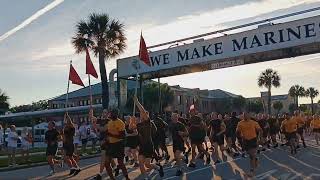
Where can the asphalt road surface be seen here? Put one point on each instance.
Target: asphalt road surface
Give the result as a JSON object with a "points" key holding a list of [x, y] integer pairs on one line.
{"points": [[273, 164]]}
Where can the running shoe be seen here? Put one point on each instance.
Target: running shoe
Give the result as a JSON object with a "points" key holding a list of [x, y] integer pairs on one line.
{"points": [[98, 177], [186, 159], [192, 165], [51, 173], [161, 172], [208, 160], [217, 162], [116, 171], [72, 171], [77, 172], [179, 172], [167, 157]]}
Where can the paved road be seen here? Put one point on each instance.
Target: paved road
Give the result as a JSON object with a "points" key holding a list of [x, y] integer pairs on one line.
{"points": [[274, 164]]}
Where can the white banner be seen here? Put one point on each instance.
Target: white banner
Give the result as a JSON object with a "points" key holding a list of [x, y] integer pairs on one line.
{"points": [[217, 50]]}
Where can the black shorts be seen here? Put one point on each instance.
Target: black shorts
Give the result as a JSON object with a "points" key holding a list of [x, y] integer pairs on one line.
{"points": [[290, 136], [115, 150], [68, 149], [132, 142], [178, 146], [218, 139], [316, 130], [274, 131], [265, 133], [52, 150], [250, 144], [197, 140], [300, 130], [146, 150], [84, 141]]}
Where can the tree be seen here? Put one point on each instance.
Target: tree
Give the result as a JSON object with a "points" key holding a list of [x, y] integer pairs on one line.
{"points": [[254, 106], [35, 106], [151, 98], [4, 102], [292, 108], [268, 79], [277, 106], [239, 103], [105, 37], [297, 91], [312, 93]]}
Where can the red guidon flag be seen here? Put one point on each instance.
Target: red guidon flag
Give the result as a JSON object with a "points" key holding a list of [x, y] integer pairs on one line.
{"points": [[143, 52], [74, 77], [89, 66]]}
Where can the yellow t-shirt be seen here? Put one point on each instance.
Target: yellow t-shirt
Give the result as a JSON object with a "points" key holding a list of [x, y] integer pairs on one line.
{"points": [[115, 127], [300, 120], [290, 126], [248, 129], [315, 124]]}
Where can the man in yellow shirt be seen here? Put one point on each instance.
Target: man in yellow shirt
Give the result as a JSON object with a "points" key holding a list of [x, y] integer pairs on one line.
{"points": [[315, 127], [289, 126], [115, 137], [249, 130], [299, 117]]}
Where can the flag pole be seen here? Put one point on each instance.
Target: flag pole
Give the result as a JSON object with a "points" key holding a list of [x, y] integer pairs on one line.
{"points": [[90, 91], [136, 65], [67, 95]]}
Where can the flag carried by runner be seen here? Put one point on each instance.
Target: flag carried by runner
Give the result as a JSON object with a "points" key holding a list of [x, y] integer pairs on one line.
{"points": [[90, 70], [74, 77], [143, 52]]}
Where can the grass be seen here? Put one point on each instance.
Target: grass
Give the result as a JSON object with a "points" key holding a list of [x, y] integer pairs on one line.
{"points": [[34, 158], [32, 150]]}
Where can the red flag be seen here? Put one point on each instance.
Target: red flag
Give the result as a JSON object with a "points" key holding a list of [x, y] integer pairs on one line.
{"points": [[74, 77], [143, 52], [89, 65]]}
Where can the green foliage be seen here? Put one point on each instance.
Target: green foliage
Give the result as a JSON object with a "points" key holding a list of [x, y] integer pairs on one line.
{"points": [[292, 107], [151, 97], [223, 105], [35, 106], [255, 106], [239, 103], [4, 102], [297, 91], [106, 38], [277, 106], [268, 79]]}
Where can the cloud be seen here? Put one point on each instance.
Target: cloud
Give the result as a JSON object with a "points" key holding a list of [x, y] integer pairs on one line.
{"points": [[31, 19]]}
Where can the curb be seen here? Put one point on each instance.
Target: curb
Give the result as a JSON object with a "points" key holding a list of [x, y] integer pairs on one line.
{"points": [[40, 164]]}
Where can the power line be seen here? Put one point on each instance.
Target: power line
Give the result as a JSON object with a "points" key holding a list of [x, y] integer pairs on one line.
{"points": [[237, 27]]}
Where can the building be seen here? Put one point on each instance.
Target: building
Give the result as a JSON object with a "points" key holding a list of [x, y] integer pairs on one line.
{"points": [[205, 101], [285, 99]]}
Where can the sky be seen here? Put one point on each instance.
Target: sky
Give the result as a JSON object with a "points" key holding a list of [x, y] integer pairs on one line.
{"points": [[35, 42]]}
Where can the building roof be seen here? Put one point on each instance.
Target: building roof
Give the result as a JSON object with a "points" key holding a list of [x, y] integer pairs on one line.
{"points": [[83, 92], [218, 93]]}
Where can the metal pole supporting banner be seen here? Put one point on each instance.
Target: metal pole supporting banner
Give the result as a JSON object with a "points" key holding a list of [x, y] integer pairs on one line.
{"points": [[136, 65], [141, 90], [159, 96]]}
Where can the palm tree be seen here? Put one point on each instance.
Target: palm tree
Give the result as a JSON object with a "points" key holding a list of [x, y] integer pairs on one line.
{"points": [[312, 93], [106, 38], [4, 104], [296, 91], [269, 78]]}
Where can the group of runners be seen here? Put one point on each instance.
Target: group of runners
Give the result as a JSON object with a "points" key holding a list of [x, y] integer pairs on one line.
{"points": [[141, 140]]}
